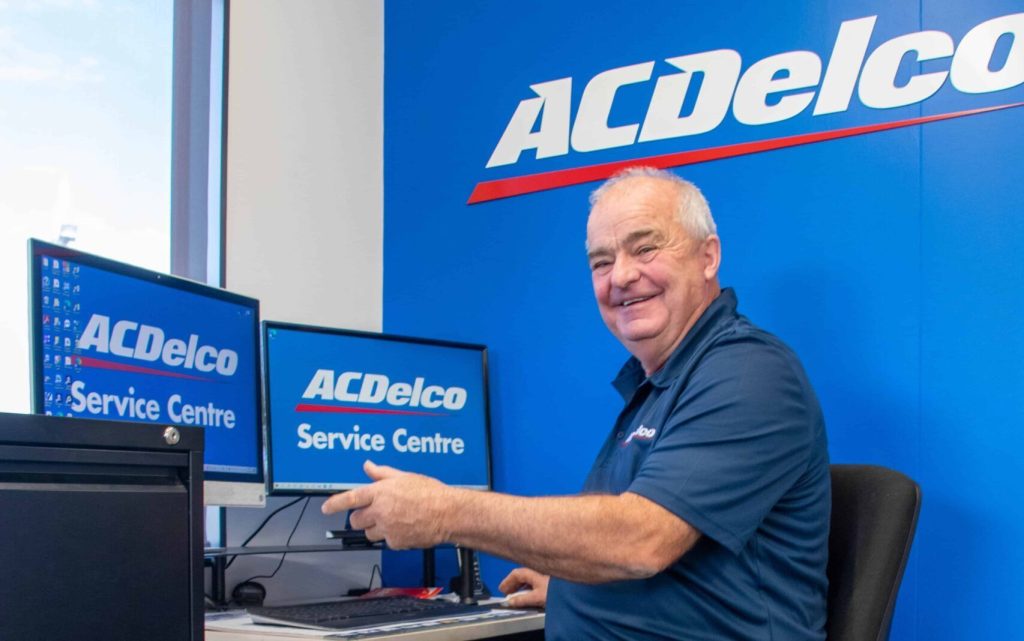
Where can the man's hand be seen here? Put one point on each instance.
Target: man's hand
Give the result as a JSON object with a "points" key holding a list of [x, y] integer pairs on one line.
{"points": [[405, 510], [534, 582]]}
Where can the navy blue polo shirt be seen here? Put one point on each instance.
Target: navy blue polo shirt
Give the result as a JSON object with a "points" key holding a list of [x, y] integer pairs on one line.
{"points": [[727, 435]]}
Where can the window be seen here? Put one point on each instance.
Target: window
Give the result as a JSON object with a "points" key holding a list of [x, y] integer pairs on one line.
{"points": [[86, 102]]}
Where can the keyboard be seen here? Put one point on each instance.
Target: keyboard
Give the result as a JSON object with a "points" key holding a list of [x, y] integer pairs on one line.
{"points": [[354, 613]]}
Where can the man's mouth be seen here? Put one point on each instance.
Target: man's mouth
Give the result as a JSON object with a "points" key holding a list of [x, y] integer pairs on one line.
{"points": [[633, 301]]}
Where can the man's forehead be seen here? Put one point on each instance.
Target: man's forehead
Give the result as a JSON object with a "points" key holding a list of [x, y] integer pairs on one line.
{"points": [[625, 235]]}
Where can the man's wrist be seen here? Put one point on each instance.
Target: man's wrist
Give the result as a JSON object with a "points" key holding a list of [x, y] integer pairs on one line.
{"points": [[452, 508], [457, 506]]}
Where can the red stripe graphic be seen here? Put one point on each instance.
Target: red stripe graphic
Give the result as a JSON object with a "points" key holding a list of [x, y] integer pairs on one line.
{"points": [[96, 363], [519, 185], [337, 409]]}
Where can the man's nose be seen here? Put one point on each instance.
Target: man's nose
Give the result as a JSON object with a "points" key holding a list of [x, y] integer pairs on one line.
{"points": [[624, 272]]}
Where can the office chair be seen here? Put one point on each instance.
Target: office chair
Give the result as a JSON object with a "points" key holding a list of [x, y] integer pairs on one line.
{"points": [[874, 515]]}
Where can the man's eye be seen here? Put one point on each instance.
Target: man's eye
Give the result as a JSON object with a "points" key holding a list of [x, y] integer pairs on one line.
{"points": [[646, 249], [599, 265]]}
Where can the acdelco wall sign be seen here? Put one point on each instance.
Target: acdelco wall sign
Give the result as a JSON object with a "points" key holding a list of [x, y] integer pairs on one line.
{"points": [[545, 124]]}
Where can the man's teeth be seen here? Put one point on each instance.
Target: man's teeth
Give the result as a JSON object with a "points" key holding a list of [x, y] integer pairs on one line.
{"points": [[634, 300]]}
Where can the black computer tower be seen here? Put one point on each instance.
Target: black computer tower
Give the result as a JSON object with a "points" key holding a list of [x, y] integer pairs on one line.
{"points": [[101, 530]]}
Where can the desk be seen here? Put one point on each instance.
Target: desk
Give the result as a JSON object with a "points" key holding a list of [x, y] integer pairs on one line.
{"points": [[527, 627]]}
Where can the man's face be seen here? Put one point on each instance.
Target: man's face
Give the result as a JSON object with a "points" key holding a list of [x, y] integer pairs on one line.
{"points": [[651, 280]]}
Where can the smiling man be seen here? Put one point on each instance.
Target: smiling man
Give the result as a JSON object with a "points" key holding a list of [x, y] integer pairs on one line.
{"points": [[705, 515]]}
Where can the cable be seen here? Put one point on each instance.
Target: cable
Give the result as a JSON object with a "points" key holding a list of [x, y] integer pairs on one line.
{"points": [[263, 524], [266, 520], [286, 543], [375, 571]]}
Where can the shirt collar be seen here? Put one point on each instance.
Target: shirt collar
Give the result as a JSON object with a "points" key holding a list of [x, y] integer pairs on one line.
{"points": [[632, 376]]}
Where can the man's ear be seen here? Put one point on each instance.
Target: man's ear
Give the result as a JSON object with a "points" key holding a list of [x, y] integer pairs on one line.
{"points": [[711, 252]]}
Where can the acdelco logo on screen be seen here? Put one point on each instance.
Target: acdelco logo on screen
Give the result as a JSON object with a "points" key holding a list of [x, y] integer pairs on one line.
{"points": [[359, 387], [770, 90], [134, 340]]}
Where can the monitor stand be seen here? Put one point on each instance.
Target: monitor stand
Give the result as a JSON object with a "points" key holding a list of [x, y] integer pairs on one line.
{"points": [[468, 579]]}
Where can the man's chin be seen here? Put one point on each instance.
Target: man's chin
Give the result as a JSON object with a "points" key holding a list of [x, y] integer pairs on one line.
{"points": [[638, 332]]}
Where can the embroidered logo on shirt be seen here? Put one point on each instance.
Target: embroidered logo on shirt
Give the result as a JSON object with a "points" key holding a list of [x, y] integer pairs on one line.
{"points": [[641, 433]]}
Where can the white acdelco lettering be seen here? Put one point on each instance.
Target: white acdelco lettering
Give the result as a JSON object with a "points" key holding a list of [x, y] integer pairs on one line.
{"points": [[375, 388], [147, 343], [592, 131], [774, 89], [551, 138], [720, 68], [878, 87]]}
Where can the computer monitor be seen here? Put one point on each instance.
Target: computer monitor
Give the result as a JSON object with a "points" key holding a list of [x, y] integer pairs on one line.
{"points": [[116, 342], [336, 398]]}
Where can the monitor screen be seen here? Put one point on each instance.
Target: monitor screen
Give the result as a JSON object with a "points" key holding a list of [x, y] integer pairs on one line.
{"points": [[336, 398], [113, 341]]}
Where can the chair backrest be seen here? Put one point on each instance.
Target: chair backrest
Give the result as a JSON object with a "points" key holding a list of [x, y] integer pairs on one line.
{"points": [[874, 515]]}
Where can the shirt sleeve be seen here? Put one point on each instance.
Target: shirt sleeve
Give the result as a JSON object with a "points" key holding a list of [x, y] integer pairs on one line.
{"points": [[737, 438]]}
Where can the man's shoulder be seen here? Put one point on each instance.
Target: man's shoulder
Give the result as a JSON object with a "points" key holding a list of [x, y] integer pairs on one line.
{"points": [[741, 343], [749, 369]]}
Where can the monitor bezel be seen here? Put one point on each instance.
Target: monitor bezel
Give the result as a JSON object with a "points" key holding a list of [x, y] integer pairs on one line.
{"points": [[38, 247], [266, 326]]}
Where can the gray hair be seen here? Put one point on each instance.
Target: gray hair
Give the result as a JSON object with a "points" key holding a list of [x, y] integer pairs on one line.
{"points": [[691, 207]]}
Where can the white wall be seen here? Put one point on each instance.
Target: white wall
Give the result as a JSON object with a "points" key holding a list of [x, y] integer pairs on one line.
{"points": [[304, 228]]}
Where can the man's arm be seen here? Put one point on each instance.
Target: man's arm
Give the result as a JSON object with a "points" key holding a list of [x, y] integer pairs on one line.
{"points": [[587, 539]]}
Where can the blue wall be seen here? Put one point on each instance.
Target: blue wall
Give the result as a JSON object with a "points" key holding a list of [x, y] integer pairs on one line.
{"points": [[888, 261]]}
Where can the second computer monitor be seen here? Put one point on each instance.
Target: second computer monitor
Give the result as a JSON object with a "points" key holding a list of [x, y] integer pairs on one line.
{"points": [[336, 398]]}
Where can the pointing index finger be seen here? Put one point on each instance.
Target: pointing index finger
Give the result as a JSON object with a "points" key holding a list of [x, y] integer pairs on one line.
{"points": [[350, 500]]}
